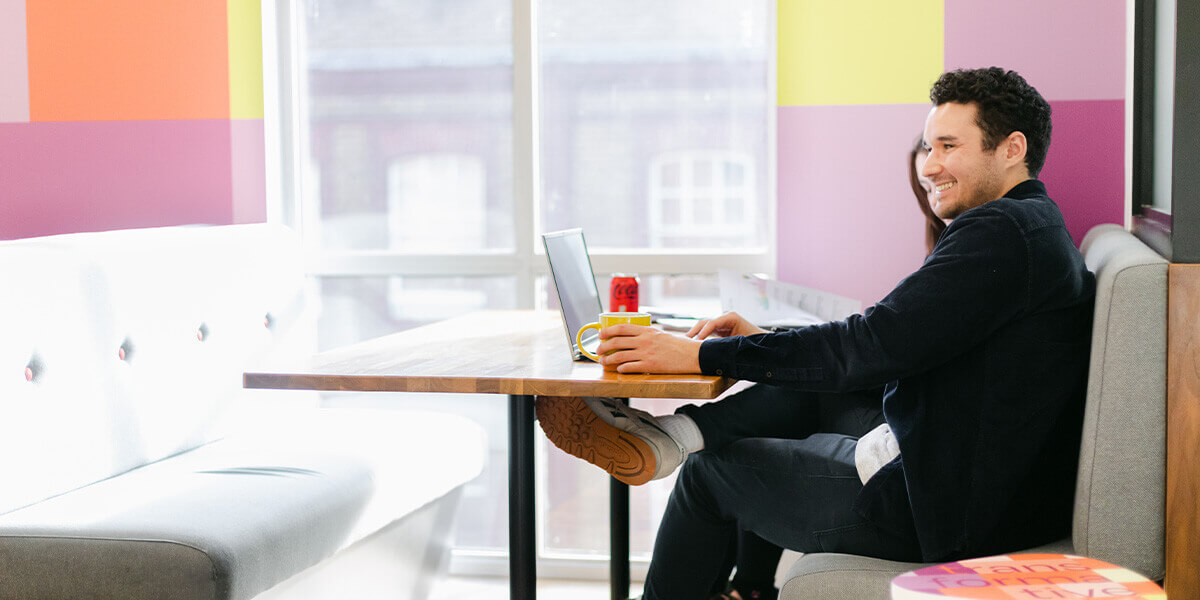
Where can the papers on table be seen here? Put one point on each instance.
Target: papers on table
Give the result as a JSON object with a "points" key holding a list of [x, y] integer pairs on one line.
{"points": [[769, 303]]}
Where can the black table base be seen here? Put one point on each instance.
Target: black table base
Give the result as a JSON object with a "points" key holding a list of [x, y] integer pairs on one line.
{"points": [[522, 516], [522, 542]]}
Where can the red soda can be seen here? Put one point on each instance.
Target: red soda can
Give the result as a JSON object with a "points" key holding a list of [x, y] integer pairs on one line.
{"points": [[623, 293]]}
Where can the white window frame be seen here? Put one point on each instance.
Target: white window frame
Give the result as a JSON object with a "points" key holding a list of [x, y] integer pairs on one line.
{"points": [[282, 48], [286, 168], [687, 194]]}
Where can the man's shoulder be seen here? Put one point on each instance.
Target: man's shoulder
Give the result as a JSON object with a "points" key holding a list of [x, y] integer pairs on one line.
{"points": [[1013, 224], [1026, 211]]}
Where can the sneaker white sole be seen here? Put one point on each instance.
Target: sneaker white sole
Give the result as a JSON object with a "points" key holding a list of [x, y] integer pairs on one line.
{"points": [[571, 425]]}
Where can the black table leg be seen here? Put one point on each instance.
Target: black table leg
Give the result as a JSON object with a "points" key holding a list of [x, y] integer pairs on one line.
{"points": [[522, 553], [618, 536], [618, 523]]}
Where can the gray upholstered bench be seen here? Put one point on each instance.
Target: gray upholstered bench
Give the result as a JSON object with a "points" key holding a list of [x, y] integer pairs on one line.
{"points": [[133, 465], [1119, 498]]}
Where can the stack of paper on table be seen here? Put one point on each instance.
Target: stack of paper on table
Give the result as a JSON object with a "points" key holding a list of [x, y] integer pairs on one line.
{"points": [[769, 303]]}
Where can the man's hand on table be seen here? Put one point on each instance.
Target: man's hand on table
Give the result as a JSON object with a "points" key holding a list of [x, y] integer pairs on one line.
{"points": [[725, 325], [639, 349]]}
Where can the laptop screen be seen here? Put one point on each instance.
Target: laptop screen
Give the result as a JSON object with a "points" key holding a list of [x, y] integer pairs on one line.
{"points": [[575, 284]]}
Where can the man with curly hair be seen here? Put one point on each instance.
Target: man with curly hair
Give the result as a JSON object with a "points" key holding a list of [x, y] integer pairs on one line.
{"points": [[941, 423]]}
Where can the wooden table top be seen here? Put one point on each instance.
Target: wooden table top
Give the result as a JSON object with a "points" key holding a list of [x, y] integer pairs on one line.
{"points": [[489, 352]]}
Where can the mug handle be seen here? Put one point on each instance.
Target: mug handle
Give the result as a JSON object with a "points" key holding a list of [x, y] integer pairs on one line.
{"points": [[579, 340]]}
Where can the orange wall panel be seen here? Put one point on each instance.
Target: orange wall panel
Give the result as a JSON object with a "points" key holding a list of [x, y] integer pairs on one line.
{"points": [[127, 60]]}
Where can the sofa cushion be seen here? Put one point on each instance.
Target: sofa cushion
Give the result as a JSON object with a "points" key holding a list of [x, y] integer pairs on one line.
{"points": [[234, 517], [829, 575]]}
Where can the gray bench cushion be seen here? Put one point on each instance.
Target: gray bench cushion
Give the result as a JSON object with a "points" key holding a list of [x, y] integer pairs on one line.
{"points": [[235, 517], [45, 568], [828, 575], [250, 518]]}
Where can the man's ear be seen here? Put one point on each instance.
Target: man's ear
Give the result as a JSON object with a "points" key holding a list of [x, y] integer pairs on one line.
{"points": [[1015, 147]]}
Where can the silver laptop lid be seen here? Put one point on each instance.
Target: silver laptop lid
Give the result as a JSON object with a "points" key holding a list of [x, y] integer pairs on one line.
{"points": [[578, 298]]}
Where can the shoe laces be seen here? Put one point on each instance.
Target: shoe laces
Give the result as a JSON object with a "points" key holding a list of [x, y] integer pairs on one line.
{"points": [[611, 409]]}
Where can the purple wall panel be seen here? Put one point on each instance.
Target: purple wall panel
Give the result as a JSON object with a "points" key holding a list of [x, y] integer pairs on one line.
{"points": [[95, 176], [249, 170], [1085, 168], [847, 220], [1068, 50]]}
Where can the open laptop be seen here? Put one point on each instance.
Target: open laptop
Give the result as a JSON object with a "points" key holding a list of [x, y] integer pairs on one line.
{"points": [[575, 283]]}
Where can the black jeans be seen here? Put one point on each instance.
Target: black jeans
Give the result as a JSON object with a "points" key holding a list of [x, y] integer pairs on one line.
{"points": [[779, 463], [756, 561]]}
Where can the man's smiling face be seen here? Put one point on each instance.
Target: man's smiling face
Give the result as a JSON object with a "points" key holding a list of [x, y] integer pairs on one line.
{"points": [[964, 174]]}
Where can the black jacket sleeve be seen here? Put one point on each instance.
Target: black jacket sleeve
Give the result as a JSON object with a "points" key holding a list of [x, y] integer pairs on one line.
{"points": [[976, 280]]}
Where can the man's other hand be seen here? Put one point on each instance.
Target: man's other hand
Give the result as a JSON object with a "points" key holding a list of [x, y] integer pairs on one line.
{"points": [[640, 349], [725, 325]]}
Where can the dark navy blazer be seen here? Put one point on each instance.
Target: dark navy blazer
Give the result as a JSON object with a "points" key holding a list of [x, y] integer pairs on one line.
{"points": [[984, 354]]}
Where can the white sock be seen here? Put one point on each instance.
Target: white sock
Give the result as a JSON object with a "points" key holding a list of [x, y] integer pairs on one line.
{"points": [[684, 430]]}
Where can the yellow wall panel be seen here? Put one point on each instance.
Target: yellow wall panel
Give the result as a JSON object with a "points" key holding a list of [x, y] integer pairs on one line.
{"points": [[245, 59], [858, 51]]}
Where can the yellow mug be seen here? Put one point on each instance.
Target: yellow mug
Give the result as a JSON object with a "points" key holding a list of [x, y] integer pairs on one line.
{"points": [[608, 319]]}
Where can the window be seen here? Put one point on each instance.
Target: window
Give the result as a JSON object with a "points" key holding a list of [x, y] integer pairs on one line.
{"points": [[425, 144], [446, 189], [703, 198]]}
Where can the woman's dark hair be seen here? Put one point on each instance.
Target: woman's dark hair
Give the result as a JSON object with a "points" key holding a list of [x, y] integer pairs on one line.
{"points": [[933, 225], [1005, 103]]}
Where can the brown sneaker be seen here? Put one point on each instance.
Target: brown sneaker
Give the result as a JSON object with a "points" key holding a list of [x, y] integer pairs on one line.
{"points": [[625, 442]]}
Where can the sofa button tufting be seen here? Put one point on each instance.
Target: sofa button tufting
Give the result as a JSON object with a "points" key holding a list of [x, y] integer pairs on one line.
{"points": [[126, 351]]}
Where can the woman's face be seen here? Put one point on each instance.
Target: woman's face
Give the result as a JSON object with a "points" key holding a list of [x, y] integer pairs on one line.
{"points": [[926, 184]]}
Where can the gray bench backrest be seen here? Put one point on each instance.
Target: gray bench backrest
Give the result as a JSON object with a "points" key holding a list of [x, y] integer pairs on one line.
{"points": [[1119, 501]]}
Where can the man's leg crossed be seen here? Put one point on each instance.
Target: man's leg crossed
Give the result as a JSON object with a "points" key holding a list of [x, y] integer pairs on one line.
{"points": [[627, 443], [635, 447], [796, 494]]}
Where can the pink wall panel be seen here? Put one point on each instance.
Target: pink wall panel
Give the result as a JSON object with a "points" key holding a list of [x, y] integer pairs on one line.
{"points": [[249, 169], [848, 222], [14, 63], [1085, 168], [94, 176], [1068, 50]]}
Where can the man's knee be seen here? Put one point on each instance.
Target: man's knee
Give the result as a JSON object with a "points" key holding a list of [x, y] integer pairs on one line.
{"points": [[695, 475], [706, 484]]}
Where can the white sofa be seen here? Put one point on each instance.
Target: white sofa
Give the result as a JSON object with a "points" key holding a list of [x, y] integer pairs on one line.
{"points": [[133, 465]]}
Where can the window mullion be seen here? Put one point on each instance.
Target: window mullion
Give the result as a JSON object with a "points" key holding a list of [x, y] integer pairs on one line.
{"points": [[525, 151]]}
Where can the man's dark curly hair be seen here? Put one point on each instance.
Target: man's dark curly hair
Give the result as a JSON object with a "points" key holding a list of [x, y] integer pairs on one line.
{"points": [[1005, 103]]}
